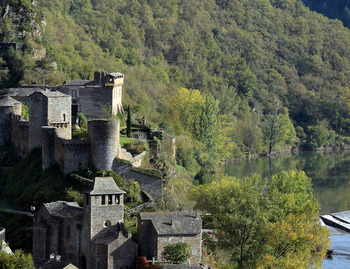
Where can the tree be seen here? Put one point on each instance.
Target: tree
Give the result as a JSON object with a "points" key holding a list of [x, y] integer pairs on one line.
{"points": [[279, 128], [177, 253], [128, 123], [265, 224], [17, 260]]}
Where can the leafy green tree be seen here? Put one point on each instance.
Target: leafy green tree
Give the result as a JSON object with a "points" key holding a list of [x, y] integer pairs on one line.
{"points": [[128, 122], [263, 223], [177, 253], [17, 260]]}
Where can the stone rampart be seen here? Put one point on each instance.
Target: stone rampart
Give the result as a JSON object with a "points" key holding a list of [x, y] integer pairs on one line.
{"points": [[20, 134], [71, 155], [148, 183]]}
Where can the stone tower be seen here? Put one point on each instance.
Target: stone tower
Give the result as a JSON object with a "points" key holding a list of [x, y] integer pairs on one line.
{"points": [[104, 142], [103, 211], [49, 108], [8, 106]]}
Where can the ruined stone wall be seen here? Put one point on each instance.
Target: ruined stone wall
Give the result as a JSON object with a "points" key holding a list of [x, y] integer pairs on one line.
{"points": [[37, 118], [59, 115], [71, 155], [104, 142], [20, 134]]}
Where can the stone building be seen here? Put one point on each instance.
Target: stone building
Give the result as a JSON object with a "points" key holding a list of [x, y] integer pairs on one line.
{"points": [[156, 230], [92, 236]]}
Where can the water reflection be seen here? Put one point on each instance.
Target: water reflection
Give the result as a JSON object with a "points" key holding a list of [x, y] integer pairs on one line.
{"points": [[330, 173]]}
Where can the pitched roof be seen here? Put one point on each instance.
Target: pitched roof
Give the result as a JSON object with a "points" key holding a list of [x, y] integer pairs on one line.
{"points": [[8, 101], [23, 91], [77, 82], [63, 209], [174, 223], [104, 185], [51, 94], [105, 237], [116, 74], [53, 264]]}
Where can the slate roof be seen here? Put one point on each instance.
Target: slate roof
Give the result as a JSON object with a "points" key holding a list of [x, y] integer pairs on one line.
{"points": [[105, 237], [174, 223], [104, 185], [77, 82], [63, 209], [8, 101], [52, 94], [116, 74], [57, 265], [23, 91]]}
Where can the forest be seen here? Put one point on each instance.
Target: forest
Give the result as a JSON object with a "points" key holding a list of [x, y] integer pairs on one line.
{"points": [[229, 78]]}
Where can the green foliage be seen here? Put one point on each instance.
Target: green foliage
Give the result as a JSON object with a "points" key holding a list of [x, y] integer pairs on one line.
{"points": [[260, 223], [177, 253], [317, 137], [25, 111], [128, 122], [18, 260]]}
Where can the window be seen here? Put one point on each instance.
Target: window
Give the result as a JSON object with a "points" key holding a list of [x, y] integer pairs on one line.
{"points": [[193, 252], [103, 200], [180, 239], [110, 199], [64, 117], [80, 166], [117, 199]]}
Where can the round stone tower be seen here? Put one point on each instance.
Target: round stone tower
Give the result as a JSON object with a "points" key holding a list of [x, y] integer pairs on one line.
{"points": [[8, 106], [104, 142]]}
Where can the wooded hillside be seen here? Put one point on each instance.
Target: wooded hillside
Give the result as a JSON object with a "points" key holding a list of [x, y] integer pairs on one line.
{"points": [[279, 73]]}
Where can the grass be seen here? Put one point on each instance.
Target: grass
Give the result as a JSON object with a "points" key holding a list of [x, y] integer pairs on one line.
{"points": [[124, 140]]}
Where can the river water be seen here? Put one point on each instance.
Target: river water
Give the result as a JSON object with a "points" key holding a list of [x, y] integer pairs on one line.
{"points": [[330, 173]]}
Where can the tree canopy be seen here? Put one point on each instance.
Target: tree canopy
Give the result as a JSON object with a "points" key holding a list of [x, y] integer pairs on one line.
{"points": [[177, 253], [265, 223]]}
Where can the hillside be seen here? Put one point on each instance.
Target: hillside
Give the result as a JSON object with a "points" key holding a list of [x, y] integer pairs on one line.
{"points": [[279, 73]]}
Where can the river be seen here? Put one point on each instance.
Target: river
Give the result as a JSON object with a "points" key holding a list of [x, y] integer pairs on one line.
{"points": [[330, 173]]}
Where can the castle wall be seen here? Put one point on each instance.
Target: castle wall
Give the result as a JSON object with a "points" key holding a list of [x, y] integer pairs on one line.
{"points": [[5, 125], [71, 155], [48, 146], [94, 101], [37, 118], [149, 184], [104, 142], [20, 134]]}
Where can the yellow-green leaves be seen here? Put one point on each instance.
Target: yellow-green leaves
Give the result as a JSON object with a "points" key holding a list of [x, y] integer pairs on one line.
{"points": [[265, 224]]}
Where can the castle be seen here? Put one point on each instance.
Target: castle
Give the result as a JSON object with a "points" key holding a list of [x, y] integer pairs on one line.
{"points": [[93, 236], [52, 112]]}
